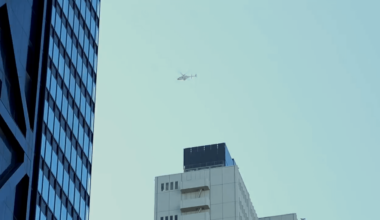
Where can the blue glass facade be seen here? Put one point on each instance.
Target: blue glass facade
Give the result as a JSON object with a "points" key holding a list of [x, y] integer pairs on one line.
{"points": [[64, 182], [48, 69]]}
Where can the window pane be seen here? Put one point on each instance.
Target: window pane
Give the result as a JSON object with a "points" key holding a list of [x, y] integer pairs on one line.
{"points": [[37, 213], [54, 164], [48, 153], [66, 182], [45, 189], [162, 187], [171, 186], [176, 185], [40, 179], [57, 206], [51, 198]]}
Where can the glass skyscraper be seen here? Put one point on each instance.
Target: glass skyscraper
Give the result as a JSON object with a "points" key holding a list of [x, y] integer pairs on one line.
{"points": [[48, 71]]}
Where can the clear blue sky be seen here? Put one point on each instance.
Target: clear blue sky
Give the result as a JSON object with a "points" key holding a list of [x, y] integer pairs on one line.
{"points": [[291, 86]]}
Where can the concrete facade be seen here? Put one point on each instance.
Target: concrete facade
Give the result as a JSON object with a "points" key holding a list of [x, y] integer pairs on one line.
{"points": [[208, 194]]}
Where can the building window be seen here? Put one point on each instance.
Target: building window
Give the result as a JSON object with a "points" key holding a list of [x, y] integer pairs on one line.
{"points": [[162, 218], [162, 189], [167, 186], [171, 217], [176, 184], [166, 218], [176, 217], [171, 186]]}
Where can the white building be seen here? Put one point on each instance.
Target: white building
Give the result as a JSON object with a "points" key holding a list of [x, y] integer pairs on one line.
{"points": [[205, 192]]}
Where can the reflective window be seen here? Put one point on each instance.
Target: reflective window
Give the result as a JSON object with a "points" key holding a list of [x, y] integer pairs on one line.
{"points": [[63, 35], [88, 114], [63, 213], [79, 65], [92, 121], [98, 9], [51, 198], [43, 144], [90, 153], [81, 133], [66, 8], [89, 84], [71, 191], [45, 189], [73, 157], [91, 56], [60, 173], [68, 149], [65, 185], [57, 211], [86, 145], [58, 23], [48, 153], [77, 95], [48, 77], [46, 106], [77, 197], [84, 74], [72, 85], [55, 54], [37, 213], [82, 104], [69, 44], [56, 129], [70, 117], [82, 208], [42, 217], [54, 162], [51, 46], [53, 14], [53, 86], [51, 119], [74, 55], [88, 183], [97, 35], [88, 15], [75, 127], [81, 35], [64, 107], [79, 167], [93, 91], [71, 16], [87, 213], [40, 177], [84, 175], [62, 140], [76, 26], [59, 98]]}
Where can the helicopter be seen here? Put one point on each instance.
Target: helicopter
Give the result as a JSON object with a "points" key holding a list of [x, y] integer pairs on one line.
{"points": [[185, 77]]}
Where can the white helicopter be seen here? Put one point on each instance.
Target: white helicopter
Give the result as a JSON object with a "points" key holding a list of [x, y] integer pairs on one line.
{"points": [[185, 77]]}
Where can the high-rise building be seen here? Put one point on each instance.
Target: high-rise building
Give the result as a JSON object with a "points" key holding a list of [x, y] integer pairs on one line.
{"points": [[210, 188], [48, 69]]}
